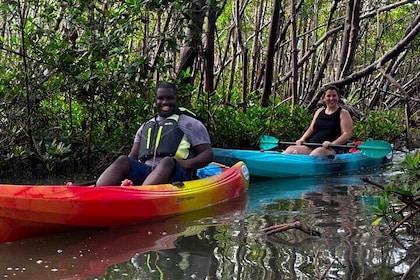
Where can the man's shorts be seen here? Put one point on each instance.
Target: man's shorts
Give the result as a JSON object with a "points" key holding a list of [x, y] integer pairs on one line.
{"points": [[139, 171]]}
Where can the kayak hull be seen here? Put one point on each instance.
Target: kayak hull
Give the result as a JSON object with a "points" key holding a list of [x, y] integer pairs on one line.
{"points": [[27, 210], [273, 164]]}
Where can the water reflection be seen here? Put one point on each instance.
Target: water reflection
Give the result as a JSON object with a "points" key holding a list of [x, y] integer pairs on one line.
{"points": [[81, 254], [265, 191], [225, 241]]}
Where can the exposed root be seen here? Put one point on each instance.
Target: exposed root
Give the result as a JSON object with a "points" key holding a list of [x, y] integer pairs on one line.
{"points": [[295, 225]]}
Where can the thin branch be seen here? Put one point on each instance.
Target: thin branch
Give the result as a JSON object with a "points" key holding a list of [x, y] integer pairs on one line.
{"points": [[407, 273], [295, 225], [412, 204], [398, 48], [406, 218]]}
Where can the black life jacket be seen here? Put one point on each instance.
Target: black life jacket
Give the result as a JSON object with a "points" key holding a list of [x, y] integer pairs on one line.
{"points": [[166, 139]]}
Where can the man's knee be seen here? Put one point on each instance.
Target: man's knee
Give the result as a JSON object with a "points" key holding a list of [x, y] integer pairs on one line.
{"points": [[122, 162], [167, 162]]}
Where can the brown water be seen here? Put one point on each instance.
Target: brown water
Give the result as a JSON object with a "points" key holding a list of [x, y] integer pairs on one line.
{"points": [[226, 242]]}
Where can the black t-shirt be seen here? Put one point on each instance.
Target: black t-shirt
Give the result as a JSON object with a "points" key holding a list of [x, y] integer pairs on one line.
{"points": [[326, 127]]}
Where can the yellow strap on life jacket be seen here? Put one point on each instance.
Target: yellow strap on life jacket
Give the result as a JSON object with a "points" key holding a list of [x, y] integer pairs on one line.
{"points": [[149, 135], [158, 136]]}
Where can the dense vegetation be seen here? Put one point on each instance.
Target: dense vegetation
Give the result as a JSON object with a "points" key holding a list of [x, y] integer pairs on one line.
{"points": [[77, 77]]}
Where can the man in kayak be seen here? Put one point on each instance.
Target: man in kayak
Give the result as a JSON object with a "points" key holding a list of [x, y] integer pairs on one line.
{"points": [[167, 148], [331, 125]]}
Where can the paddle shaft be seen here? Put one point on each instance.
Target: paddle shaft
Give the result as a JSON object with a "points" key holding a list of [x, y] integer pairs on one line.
{"points": [[370, 148], [319, 145]]}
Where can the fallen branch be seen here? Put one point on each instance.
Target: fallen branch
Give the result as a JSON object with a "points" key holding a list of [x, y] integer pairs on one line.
{"points": [[295, 225]]}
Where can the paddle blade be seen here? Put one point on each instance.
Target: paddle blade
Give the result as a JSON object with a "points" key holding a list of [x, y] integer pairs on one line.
{"points": [[375, 148], [268, 142]]}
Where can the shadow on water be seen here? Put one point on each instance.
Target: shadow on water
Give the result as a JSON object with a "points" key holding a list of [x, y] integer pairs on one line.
{"points": [[226, 242]]}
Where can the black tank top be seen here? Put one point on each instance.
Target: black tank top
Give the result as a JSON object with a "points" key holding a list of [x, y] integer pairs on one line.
{"points": [[326, 127]]}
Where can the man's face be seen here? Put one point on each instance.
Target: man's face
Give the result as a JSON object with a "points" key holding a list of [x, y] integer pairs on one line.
{"points": [[166, 103]]}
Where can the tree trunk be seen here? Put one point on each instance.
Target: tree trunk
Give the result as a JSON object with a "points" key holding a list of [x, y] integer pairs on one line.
{"points": [[406, 101], [224, 58], [327, 49], [29, 95], [232, 69], [318, 77], [268, 78], [160, 44], [256, 46], [244, 79], [312, 63], [349, 41], [209, 49], [192, 41], [294, 66]]}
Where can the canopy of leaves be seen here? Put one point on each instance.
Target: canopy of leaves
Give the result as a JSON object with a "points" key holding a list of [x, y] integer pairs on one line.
{"points": [[77, 77]]}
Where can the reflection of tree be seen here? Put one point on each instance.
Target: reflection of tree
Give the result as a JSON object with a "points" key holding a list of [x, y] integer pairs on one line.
{"points": [[234, 247], [346, 249], [191, 257], [238, 250]]}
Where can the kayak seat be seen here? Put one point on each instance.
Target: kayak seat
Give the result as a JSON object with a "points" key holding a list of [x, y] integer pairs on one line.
{"points": [[209, 170]]}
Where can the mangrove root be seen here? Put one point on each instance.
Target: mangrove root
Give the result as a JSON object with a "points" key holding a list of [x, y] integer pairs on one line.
{"points": [[295, 225]]}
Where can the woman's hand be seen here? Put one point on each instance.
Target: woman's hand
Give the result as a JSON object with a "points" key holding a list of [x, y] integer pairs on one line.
{"points": [[326, 144]]}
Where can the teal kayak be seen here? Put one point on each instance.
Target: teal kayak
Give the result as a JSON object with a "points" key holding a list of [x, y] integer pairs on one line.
{"points": [[273, 164]]}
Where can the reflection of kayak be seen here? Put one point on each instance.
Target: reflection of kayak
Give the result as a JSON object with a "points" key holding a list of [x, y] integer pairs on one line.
{"points": [[33, 210], [88, 253], [267, 191], [274, 164]]}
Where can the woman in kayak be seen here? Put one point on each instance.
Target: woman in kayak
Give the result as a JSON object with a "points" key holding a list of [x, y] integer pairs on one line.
{"points": [[167, 148], [331, 125]]}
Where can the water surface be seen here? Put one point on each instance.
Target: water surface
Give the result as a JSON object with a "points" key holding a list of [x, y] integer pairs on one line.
{"points": [[226, 241]]}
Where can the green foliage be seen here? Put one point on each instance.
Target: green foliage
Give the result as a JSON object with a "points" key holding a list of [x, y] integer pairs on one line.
{"points": [[384, 209], [84, 88], [407, 183], [288, 124], [242, 128], [236, 128], [405, 186], [78, 75], [384, 125]]}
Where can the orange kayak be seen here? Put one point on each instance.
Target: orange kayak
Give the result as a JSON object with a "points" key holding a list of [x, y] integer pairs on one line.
{"points": [[28, 210]]}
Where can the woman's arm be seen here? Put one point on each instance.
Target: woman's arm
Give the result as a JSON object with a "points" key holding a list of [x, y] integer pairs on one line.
{"points": [[346, 124]]}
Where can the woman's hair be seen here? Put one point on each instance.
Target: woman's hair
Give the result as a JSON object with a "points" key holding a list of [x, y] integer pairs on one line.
{"points": [[327, 87]]}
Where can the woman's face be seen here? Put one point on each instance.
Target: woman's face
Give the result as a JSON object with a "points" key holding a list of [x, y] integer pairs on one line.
{"points": [[331, 97]]}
